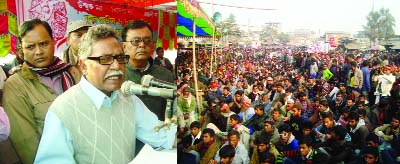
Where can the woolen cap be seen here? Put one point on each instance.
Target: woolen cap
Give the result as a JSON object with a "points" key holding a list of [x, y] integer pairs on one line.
{"points": [[75, 25]]}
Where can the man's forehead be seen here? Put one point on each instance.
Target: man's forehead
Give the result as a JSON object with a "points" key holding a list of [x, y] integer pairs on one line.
{"points": [[39, 32], [110, 46], [139, 32]]}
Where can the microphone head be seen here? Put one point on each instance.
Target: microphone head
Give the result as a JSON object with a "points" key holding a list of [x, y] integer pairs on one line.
{"points": [[146, 80], [125, 87]]}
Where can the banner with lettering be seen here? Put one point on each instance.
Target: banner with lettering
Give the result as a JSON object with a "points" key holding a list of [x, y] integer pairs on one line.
{"points": [[59, 13]]}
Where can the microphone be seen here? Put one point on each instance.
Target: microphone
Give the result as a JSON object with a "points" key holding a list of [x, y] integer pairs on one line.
{"points": [[149, 80], [129, 88]]}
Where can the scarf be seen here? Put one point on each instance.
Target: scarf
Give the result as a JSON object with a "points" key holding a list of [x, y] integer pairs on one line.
{"points": [[56, 68]]}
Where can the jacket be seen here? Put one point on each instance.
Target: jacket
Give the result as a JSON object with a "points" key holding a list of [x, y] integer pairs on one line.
{"points": [[155, 104], [209, 154], [358, 78], [26, 100], [69, 57], [255, 156], [385, 83]]}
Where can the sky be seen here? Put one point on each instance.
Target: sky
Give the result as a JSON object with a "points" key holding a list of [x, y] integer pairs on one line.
{"points": [[317, 15]]}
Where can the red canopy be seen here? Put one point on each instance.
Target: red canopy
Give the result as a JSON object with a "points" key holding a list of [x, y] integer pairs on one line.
{"points": [[137, 3]]}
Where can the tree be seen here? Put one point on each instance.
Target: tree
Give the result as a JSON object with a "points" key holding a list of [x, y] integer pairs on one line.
{"points": [[283, 38], [269, 33], [228, 27], [361, 34], [217, 17], [380, 25], [386, 24]]}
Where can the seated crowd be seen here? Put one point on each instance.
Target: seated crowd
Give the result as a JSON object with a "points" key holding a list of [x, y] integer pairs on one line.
{"points": [[282, 110]]}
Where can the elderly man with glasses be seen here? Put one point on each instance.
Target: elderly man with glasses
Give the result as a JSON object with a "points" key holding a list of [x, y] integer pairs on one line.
{"points": [[93, 122]]}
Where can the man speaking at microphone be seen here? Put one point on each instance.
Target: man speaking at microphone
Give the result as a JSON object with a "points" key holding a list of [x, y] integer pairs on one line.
{"points": [[93, 122], [138, 44]]}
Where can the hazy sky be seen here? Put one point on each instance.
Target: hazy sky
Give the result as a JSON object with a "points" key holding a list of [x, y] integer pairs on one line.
{"points": [[318, 15]]}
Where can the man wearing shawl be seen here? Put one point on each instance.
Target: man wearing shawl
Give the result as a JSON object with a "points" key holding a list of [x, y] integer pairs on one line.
{"points": [[29, 93]]}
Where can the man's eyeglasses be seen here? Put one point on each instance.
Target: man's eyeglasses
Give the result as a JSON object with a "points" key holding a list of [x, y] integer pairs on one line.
{"points": [[137, 41], [109, 59]]}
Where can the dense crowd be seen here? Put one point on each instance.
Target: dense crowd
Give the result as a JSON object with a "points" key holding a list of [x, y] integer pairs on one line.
{"points": [[289, 106]]}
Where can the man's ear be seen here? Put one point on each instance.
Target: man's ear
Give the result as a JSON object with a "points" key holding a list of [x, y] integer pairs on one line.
{"points": [[83, 67], [124, 48], [67, 40]]}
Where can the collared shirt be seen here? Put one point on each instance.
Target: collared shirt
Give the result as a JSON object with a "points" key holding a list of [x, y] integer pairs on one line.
{"points": [[198, 136], [145, 68], [56, 145], [241, 154], [309, 154], [246, 115], [53, 82]]}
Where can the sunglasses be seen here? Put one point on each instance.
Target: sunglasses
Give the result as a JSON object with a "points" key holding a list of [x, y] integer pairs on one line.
{"points": [[109, 59]]}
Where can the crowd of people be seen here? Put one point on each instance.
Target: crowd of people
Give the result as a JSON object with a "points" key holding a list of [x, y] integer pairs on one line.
{"points": [[281, 105], [285, 105], [71, 109]]}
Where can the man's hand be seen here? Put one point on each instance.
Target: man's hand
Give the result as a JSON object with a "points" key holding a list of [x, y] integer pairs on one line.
{"points": [[181, 131], [212, 162], [15, 69], [380, 134], [285, 119], [186, 116]]}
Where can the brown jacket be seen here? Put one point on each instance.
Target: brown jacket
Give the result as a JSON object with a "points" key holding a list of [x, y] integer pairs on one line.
{"points": [[209, 154], [26, 100]]}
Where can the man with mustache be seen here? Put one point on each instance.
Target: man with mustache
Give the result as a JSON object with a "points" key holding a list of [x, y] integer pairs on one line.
{"points": [[93, 122], [29, 92]]}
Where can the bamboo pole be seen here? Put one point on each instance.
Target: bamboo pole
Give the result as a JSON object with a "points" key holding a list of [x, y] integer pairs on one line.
{"points": [[196, 86], [212, 45]]}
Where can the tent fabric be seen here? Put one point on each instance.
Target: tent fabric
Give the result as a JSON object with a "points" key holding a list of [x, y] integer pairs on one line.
{"points": [[167, 34], [8, 27], [139, 3], [185, 21]]}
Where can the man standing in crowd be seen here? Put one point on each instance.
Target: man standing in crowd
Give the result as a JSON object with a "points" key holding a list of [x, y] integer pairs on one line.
{"points": [[94, 122], [75, 31], [355, 79], [29, 93], [366, 88], [385, 83], [160, 60]]}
